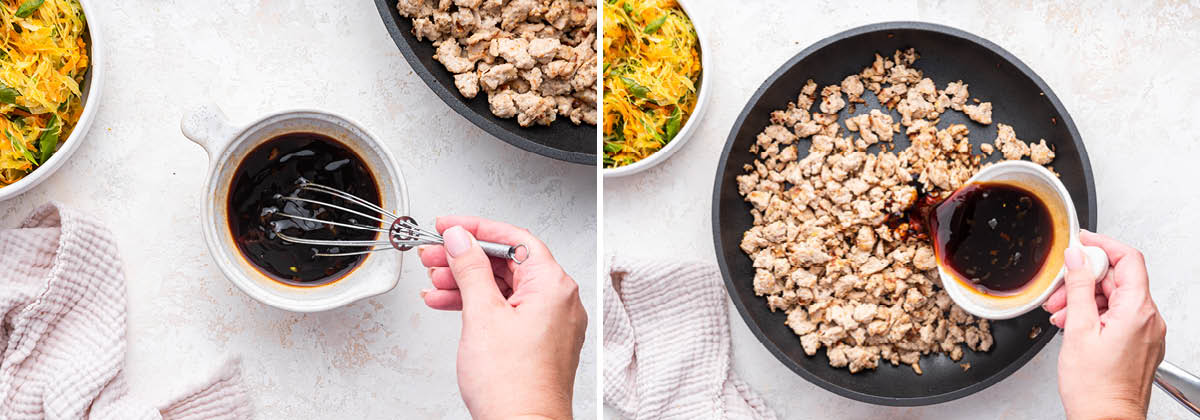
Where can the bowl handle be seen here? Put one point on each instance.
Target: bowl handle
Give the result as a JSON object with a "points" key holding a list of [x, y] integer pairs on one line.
{"points": [[208, 127], [1097, 261]]}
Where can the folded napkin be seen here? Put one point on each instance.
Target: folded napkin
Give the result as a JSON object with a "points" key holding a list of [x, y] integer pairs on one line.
{"points": [[666, 344], [62, 335]]}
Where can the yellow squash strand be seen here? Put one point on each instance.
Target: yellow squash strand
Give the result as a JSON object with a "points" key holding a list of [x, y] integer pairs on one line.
{"points": [[651, 74], [43, 59]]}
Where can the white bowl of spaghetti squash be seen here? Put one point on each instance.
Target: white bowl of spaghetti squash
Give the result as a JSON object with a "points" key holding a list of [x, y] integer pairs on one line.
{"points": [[51, 77]]}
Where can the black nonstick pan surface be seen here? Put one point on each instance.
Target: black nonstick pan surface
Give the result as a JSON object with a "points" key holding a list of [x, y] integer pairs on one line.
{"points": [[560, 140], [1019, 97]]}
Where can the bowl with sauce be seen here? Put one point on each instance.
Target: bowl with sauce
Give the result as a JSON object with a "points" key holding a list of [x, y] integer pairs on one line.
{"points": [[252, 167], [999, 239]]}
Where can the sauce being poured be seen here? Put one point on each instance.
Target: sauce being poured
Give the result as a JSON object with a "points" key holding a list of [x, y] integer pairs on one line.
{"points": [[995, 236], [275, 169]]}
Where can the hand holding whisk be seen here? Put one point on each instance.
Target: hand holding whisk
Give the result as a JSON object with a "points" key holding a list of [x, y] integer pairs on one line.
{"points": [[402, 232]]}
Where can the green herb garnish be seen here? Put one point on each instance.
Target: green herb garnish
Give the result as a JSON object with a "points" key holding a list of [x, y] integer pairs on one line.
{"points": [[672, 126], [610, 147], [655, 24], [49, 140], [8, 95], [636, 89], [19, 146], [28, 7]]}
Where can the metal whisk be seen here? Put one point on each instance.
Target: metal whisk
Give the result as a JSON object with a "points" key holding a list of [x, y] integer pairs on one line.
{"points": [[403, 233]]}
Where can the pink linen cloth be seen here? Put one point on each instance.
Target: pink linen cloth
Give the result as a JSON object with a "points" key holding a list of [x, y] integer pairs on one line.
{"points": [[62, 336], [666, 344]]}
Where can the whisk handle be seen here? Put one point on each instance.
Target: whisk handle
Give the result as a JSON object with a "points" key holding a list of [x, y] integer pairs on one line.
{"points": [[516, 253]]}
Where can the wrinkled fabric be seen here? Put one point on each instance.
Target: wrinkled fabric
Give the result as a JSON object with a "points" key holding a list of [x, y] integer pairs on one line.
{"points": [[62, 297], [667, 344]]}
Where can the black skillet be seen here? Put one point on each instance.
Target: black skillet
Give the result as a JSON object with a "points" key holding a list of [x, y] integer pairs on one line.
{"points": [[1020, 98], [561, 140]]}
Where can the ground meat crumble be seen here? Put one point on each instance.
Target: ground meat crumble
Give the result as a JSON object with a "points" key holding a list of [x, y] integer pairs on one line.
{"points": [[534, 59], [820, 246]]}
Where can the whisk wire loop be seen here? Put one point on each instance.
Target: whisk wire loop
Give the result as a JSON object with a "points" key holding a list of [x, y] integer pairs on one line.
{"points": [[311, 186], [403, 232]]}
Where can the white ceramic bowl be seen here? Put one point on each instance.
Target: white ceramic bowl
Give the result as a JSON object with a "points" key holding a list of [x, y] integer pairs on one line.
{"points": [[228, 145], [681, 138], [1047, 187], [93, 86]]}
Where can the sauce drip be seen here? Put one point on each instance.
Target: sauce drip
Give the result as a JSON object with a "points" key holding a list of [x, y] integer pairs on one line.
{"points": [[274, 169], [995, 236], [914, 222]]}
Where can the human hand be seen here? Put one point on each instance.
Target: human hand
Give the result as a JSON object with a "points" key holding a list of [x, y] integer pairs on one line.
{"points": [[1113, 335], [522, 324]]}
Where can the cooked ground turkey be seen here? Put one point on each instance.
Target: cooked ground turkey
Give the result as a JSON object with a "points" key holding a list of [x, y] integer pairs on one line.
{"points": [[534, 59], [820, 245]]}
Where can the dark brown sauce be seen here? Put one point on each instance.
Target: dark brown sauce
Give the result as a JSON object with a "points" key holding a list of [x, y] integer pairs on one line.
{"points": [[914, 222], [275, 169], [994, 235]]}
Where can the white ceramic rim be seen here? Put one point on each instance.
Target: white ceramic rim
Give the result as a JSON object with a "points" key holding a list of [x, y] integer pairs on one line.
{"points": [[91, 105], [220, 251], [685, 134], [957, 291]]}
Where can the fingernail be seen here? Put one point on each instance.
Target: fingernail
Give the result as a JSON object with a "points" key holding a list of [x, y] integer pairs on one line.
{"points": [[420, 250], [1054, 318], [425, 292], [1073, 257], [457, 240], [430, 271], [1045, 308]]}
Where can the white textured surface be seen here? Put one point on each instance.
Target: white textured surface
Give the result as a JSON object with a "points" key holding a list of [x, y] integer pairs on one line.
{"points": [[385, 357], [1124, 72]]}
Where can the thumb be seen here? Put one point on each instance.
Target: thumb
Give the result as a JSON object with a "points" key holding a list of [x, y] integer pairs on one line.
{"points": [[1082, 313], [472, 270]]}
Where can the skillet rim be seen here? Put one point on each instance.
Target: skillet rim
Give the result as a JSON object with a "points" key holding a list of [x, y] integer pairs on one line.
{"points": [[719, 248]]}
